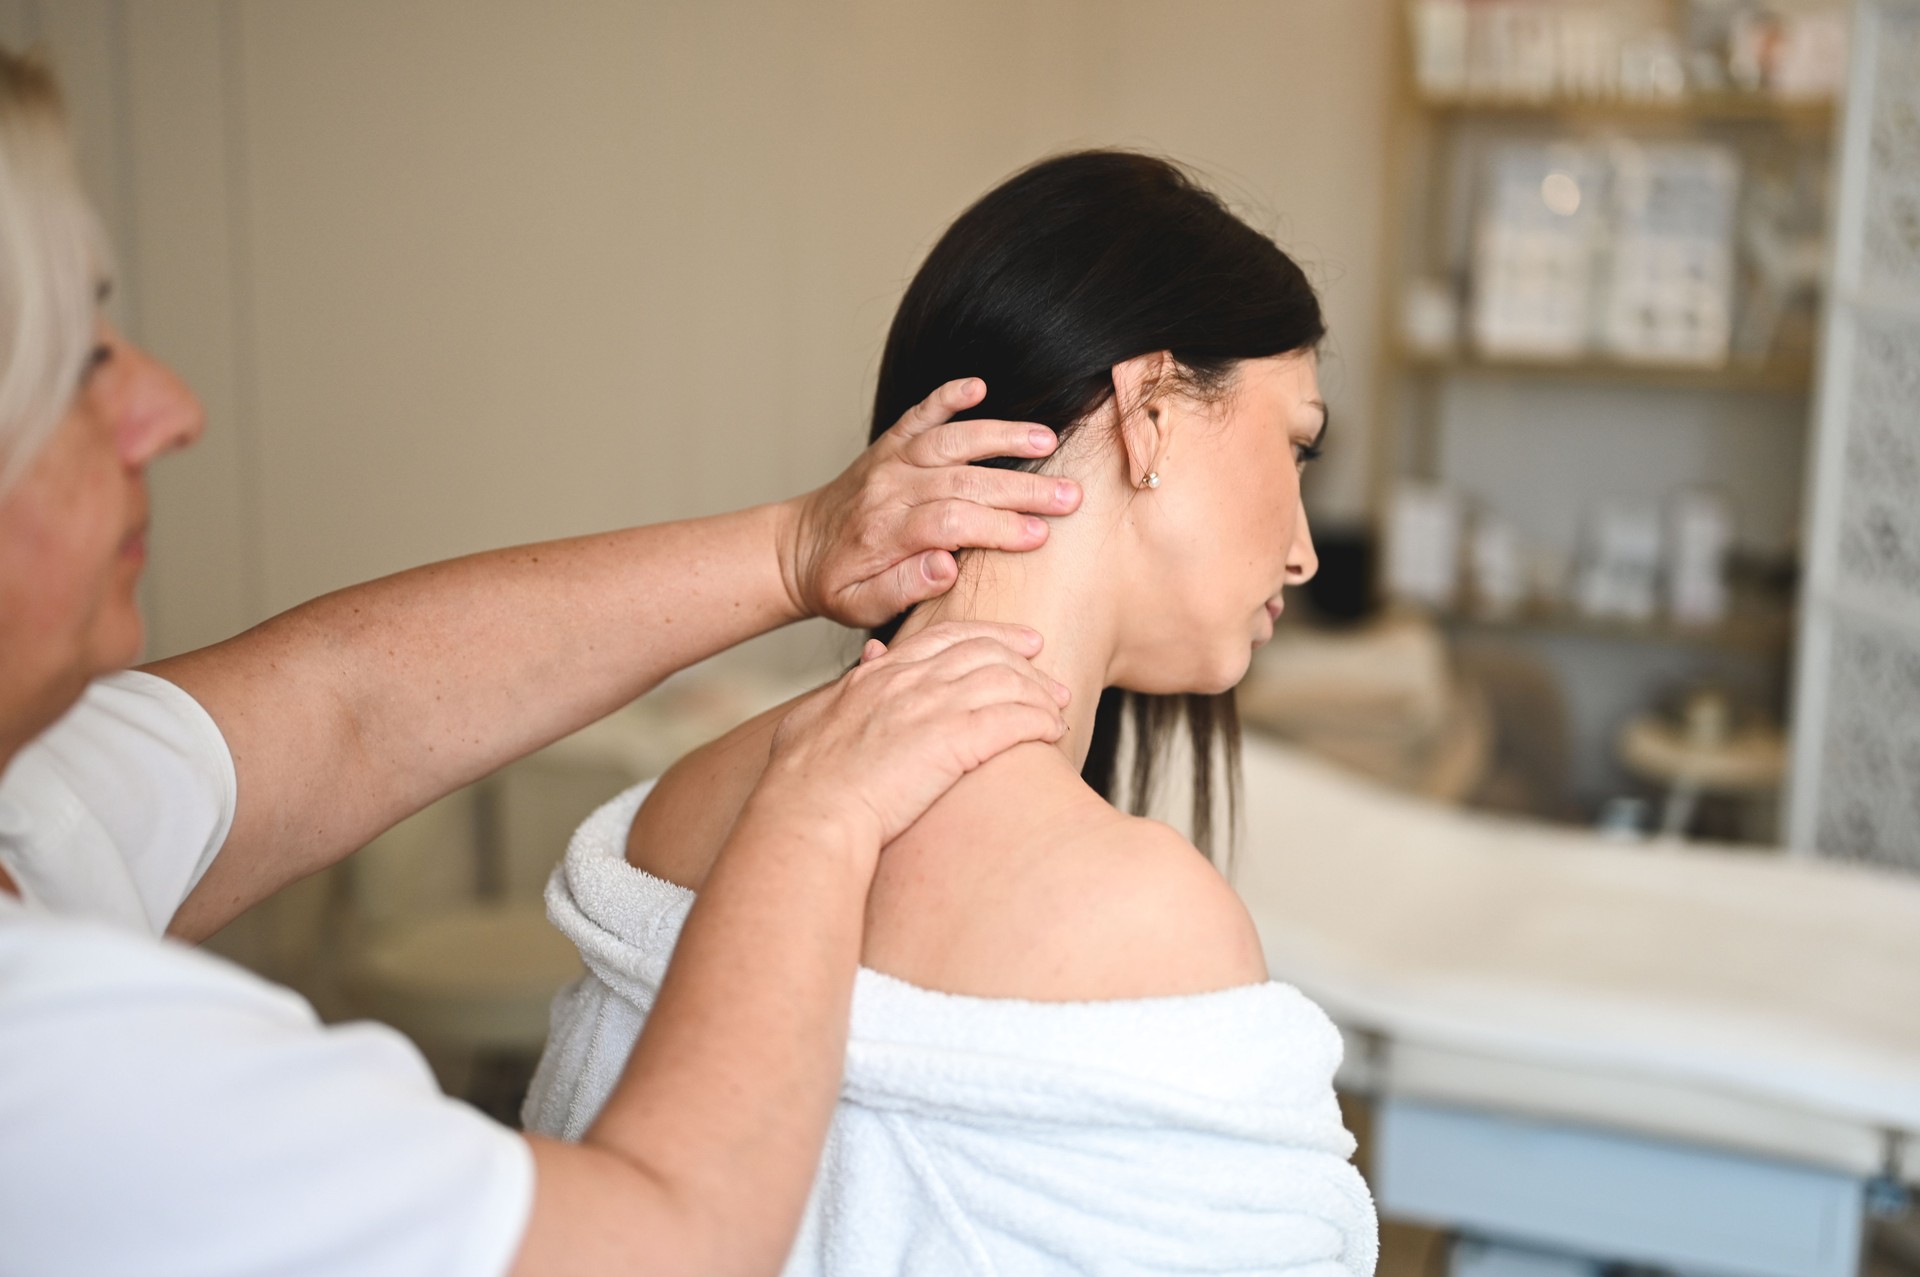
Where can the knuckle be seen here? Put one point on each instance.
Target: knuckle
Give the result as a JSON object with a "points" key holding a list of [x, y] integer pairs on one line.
{"points": [[974, 648], [952, 525], [971, 483], [911, 451], [1019, 491], [945, 445], [922, 526], [1006, 676]]}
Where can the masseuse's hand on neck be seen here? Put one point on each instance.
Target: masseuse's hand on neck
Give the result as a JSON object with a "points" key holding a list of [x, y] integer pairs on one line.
{"points": [[880, 538]]}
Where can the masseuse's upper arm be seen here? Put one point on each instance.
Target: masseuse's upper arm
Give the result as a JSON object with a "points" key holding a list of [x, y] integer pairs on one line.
{"points": [[290, 751]]}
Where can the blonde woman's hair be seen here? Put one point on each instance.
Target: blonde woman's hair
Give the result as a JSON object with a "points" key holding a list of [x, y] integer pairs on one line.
{"points": [[52, 264]]}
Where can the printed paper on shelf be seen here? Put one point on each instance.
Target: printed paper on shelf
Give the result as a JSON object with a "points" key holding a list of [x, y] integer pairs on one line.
{"points": [[1535, 247]]}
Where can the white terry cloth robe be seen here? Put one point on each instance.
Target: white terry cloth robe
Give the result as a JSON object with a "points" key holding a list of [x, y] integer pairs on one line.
{"points": [[1192, 1134]]}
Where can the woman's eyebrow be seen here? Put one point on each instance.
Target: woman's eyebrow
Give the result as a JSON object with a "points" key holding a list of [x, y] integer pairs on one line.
{"points": [[1326, 419]]}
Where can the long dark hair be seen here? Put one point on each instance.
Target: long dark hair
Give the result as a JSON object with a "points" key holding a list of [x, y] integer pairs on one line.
{"points": [[1069, 267]]}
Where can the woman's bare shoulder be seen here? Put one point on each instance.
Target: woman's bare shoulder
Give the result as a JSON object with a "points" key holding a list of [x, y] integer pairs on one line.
{"points": [[1155, 917], [1094, 907]]}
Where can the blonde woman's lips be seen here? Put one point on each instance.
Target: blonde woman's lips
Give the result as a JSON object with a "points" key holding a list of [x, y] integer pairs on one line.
{"points": [[135, 544], [1274, 608]]}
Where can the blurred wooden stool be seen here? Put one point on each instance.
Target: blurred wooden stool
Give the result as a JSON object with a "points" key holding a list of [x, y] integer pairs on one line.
{"points": [[1702, 754]]}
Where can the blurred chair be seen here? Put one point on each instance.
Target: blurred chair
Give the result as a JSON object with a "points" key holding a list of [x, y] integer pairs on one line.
{"points": [[462, 965], [445, 931], [1383, 699], [1531, 764], [1480, 724]]}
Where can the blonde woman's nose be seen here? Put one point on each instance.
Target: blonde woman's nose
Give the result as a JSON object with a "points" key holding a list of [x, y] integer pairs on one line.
{"points": [[154, 410]]}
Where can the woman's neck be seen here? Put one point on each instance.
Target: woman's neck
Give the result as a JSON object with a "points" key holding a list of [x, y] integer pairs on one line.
{"points": [[1054, 591]]}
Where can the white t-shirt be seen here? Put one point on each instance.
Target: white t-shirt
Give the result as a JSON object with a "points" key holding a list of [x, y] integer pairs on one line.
{"points": [[165, 1112]]}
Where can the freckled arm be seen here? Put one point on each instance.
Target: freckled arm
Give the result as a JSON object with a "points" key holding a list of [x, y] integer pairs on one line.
{"points": [[349, 713]]}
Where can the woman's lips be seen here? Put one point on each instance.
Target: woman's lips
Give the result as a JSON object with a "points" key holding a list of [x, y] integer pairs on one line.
{"points": [[1274, 608]]}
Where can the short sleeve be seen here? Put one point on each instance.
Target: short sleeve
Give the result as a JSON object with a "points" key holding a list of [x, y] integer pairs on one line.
{"points": [[168, 1114], [115, 811]]}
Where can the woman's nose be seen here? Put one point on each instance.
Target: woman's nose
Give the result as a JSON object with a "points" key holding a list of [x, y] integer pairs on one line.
{"points": [[1302, 562], [154, 411]]}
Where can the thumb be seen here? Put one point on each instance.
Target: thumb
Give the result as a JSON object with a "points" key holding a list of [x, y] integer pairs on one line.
{"points": [[905, 584], [932, 573], [874, 648]]}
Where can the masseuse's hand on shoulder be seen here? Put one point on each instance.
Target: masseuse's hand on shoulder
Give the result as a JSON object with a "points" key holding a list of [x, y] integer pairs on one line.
{"points": [[700, 1161], [880, 538], [876, 749]]}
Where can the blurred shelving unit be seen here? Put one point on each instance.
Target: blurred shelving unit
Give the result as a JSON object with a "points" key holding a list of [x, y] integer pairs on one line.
{"points": [[1790, 375], [1720, 105], [1445, 381], [1761, 630]]}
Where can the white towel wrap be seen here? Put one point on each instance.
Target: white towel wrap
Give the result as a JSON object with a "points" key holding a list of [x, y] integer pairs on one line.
{"points": [[990, 1136]]}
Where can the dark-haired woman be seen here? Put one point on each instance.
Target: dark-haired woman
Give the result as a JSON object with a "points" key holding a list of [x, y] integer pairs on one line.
{"points": [[1074, 1061]]}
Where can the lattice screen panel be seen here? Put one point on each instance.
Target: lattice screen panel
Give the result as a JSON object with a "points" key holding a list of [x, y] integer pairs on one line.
{"points": [[1855, 788]]}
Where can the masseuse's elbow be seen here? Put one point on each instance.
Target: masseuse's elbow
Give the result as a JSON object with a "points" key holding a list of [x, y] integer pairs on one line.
{"points": [[596, 1211]]}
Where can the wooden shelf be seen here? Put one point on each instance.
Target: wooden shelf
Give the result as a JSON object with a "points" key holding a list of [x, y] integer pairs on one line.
{"points": [[1734, 107], [1793, 376]]}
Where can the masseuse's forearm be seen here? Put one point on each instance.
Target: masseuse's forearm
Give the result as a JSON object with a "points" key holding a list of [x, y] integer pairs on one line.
{"points": [[348, 713], [701, 1160]]}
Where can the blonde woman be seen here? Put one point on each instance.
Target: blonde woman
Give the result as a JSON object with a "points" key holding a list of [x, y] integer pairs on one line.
{"points": [[164, 1112]]}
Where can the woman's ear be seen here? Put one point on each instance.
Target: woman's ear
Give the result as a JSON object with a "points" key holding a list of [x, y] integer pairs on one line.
{"points": [[1142, 393]]}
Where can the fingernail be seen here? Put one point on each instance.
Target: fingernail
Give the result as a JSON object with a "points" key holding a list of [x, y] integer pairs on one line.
{"points": [[1065, 491], [1036, 527], [967, 386], [1062, 692], [1041, 438], [933, 566], [1033, 636]]}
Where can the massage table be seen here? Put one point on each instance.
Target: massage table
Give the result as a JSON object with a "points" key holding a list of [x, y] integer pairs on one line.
{"points": [[1583, 1052]]}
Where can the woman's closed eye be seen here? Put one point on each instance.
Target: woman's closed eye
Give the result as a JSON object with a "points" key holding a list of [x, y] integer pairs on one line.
{"points": [[1308, 451], [95, 359]]}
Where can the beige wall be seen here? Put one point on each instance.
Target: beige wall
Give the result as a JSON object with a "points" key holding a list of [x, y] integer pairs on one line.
{"points": [[455, 273]]}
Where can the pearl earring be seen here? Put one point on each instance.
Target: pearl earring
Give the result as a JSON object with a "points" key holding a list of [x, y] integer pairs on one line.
{"points": [[1152, 480]]}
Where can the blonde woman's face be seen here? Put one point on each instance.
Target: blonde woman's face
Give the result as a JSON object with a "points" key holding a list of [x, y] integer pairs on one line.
{"points": [[73, 530]]}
